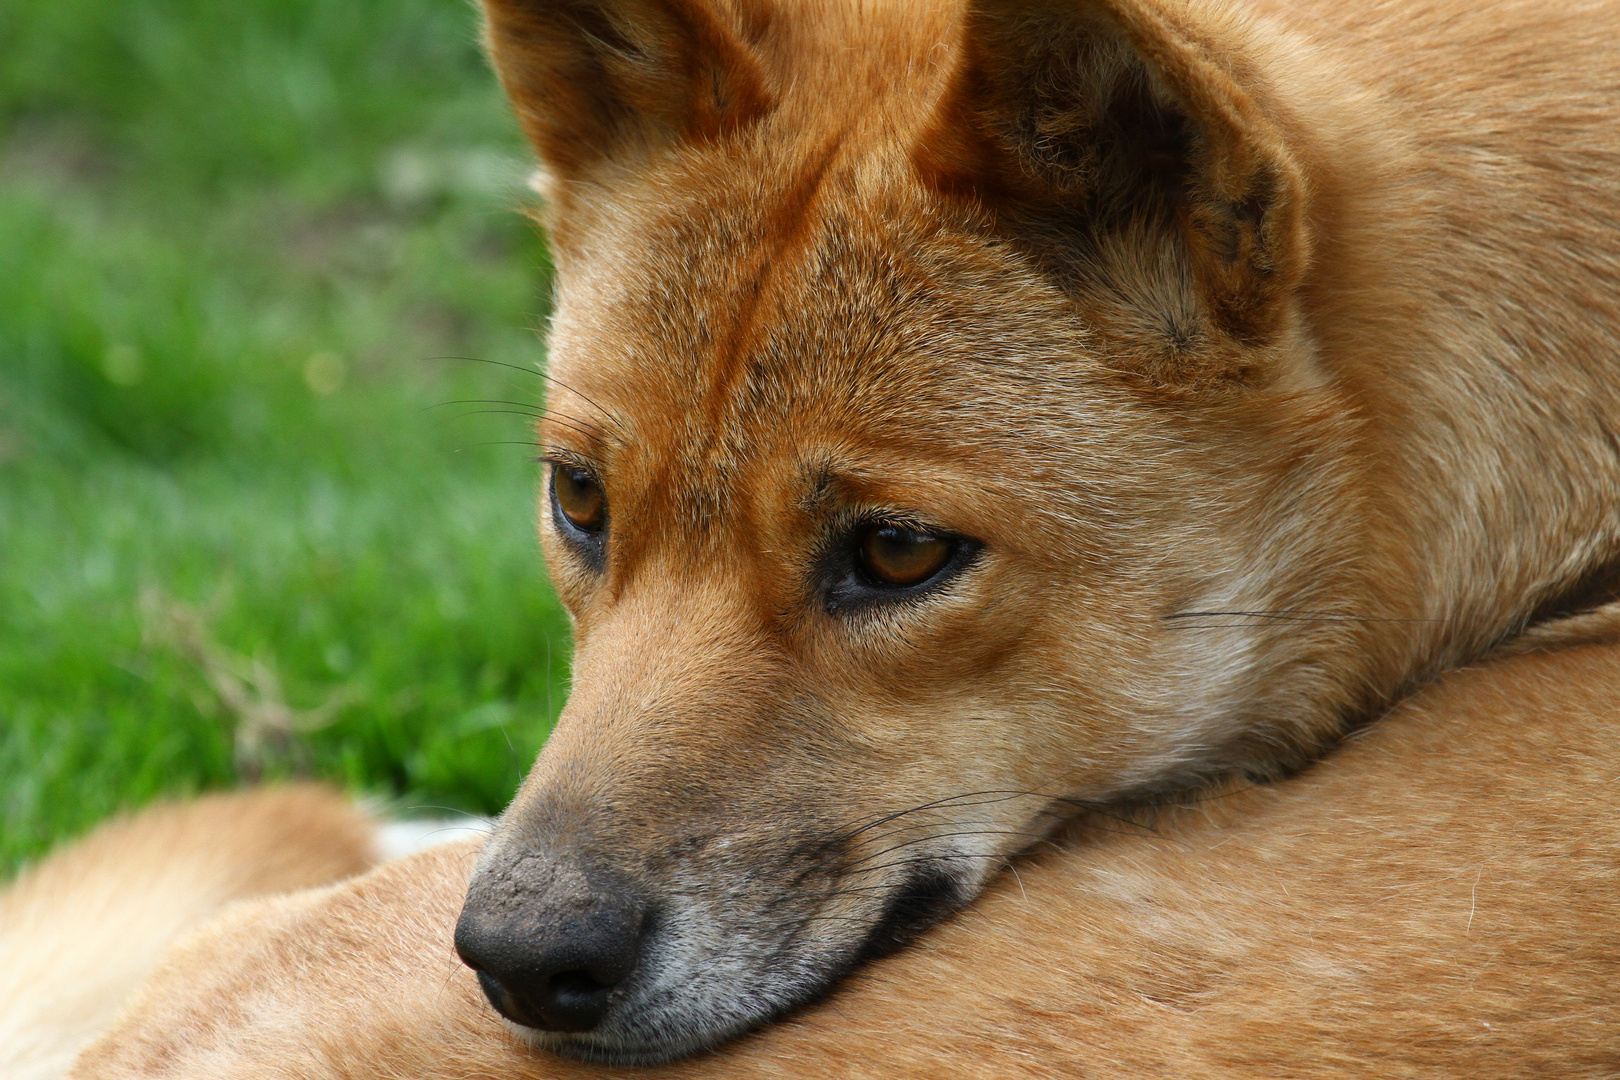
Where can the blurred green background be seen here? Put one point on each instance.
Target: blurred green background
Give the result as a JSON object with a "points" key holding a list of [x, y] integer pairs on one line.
{"points": [[241, 531]]}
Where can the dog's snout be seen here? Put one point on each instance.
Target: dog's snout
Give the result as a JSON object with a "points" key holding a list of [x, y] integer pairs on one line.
{"points": [[552, 958]]}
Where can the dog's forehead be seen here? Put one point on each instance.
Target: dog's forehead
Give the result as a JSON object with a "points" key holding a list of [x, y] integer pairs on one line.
{"points": [[805, 306]]}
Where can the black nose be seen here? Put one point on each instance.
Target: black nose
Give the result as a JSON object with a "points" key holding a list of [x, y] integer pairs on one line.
{"points": [[551, 958]]}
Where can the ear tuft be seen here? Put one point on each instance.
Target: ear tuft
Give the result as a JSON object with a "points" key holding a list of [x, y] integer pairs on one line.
{"points": [[594, 81]]}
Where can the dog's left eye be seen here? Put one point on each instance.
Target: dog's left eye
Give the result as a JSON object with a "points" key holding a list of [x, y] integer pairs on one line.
{"points": [[895, 557]]}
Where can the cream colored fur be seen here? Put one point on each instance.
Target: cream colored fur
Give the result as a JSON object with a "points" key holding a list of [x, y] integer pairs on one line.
{"points": [[80, 930]]}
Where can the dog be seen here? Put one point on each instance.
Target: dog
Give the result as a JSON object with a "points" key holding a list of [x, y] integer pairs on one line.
{"points": [[1436, 898], [968, 414], [80, 931]]}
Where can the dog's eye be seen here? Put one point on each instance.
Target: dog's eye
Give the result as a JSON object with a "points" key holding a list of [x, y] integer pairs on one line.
{"points": [[579, 497], [897, 557]]}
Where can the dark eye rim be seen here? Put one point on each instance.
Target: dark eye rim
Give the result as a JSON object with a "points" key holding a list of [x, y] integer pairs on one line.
{"points": [[589, 544], [845, 586]]}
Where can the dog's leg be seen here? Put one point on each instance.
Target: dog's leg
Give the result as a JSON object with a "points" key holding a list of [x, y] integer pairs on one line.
{"points": [[1599, 626]]}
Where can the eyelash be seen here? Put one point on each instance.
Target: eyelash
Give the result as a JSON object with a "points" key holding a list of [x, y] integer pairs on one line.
{"points": [[555, 456]]}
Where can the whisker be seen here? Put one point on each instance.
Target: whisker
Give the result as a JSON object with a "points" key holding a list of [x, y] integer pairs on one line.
{"points": [[448, 810], [857, 864], [579, 427], [499, 412], [539, 409], [611, 419], [1130, 824], [982, 798], [501, 442], [522, 408], [1283, 615]]}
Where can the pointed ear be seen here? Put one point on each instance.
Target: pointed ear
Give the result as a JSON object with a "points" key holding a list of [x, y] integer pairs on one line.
{"points": [[1100, 118], [596, 80]]}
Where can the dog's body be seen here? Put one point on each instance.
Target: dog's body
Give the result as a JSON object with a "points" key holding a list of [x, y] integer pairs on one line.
{"points": [[80, 931], [964, 415], [1438, 898]]}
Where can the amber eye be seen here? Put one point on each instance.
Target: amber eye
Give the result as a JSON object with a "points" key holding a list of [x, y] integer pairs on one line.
{"points": [[579, 497], [897, 557]]}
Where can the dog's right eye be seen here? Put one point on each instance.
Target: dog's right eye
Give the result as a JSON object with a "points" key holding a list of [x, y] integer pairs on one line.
{"points": [[886, 561], [579, 498]]}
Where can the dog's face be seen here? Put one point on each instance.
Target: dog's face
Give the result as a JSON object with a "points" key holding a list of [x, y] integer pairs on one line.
{"points": [[881, 481]]}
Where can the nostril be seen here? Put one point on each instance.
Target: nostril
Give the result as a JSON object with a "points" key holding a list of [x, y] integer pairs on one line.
{"points": [[570, 986], [504, 1003], [568, 1001], [549, 972], [575, 1001]]}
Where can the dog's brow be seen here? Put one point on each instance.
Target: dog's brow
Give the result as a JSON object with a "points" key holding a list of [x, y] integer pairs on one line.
{"points": [[586, 429], [820, 478]]}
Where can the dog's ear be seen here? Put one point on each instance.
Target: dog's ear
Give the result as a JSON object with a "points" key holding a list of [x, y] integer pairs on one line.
{"points": [[1100, 119], [594, 81]]}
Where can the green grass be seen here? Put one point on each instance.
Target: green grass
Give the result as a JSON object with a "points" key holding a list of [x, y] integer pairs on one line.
{"points": [[232, 237]]}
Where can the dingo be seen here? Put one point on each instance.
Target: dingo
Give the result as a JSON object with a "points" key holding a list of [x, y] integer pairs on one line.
{"points": [[81, 930], [1437, 898], [965, 416]]}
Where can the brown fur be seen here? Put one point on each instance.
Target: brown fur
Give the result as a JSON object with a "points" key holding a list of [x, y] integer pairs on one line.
{"points": [[80, 930], [1438, 898], [1268, 350]]}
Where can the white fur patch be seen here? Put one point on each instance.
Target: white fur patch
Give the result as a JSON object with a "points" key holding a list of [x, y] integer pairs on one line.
{"points": [[397, 839]]}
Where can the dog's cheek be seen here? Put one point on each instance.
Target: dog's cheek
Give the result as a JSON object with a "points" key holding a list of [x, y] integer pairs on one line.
{"points": [[573, 582]]}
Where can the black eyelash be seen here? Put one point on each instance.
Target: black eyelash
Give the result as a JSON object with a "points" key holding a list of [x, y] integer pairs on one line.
{"points": [[561, 455]]}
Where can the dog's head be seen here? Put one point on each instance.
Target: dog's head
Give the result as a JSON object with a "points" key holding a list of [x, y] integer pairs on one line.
{"points": [[921, 381]]}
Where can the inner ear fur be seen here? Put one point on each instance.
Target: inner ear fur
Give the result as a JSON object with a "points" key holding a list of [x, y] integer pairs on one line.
{"points": [[595, 81], [1098, 127]]}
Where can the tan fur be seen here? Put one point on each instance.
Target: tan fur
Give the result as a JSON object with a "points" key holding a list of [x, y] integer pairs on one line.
{"points": [[80, 930], [1268, 350], [1438, 898]]}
